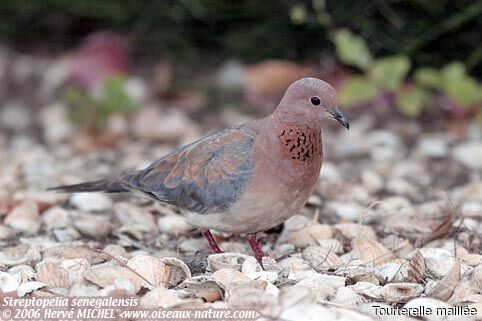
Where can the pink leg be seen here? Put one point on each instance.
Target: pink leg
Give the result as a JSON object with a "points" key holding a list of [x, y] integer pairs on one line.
{"points": [[212, 242], [258, 252]]}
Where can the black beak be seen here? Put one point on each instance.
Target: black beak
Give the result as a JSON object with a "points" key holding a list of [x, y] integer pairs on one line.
{"points": [[338, 116]]}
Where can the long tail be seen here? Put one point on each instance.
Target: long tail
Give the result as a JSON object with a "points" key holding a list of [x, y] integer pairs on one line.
{"points": [[105, 185]]}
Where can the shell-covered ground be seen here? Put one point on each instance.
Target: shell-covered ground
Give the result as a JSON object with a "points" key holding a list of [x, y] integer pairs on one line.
{"points": [[395, 221]]}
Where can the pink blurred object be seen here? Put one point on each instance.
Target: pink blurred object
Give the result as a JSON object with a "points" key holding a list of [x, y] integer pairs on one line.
{"points": [[101, 54]]}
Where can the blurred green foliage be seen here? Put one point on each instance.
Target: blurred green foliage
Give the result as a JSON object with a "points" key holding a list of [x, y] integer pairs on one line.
{"points": [[428, 32], [93, 109], [389, 75]]}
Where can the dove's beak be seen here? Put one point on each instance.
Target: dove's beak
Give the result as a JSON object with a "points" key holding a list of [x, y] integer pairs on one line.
{"points": [[338, 116]]}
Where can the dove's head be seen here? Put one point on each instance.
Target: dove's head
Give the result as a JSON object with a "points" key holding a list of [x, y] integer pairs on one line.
{"points": [[309, 101]]}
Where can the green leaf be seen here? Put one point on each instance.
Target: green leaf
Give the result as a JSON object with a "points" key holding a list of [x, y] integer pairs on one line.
{"points": [[352, 49], [429, 78], [464, 91], [459, 86], [389, 72], [411, 101], [357, 90], [452, 71]]}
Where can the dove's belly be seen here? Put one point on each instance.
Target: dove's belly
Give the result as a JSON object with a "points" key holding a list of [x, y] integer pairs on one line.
{"points": [[256, 211]]}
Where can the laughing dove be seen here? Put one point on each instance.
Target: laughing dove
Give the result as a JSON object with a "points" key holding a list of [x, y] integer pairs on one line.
{"points": [[245, 179]]}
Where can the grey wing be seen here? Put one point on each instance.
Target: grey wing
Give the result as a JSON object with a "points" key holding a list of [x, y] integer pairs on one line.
{"points": [[204, 177]]}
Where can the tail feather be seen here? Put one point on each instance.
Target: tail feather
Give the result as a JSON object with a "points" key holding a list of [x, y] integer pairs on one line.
{"points": [[104, 185]]}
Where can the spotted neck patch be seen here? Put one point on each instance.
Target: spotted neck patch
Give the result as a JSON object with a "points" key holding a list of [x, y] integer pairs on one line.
{"points": [[300, 143]]}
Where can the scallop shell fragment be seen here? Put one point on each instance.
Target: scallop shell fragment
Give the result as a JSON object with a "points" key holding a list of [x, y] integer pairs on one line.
{"points": [[310, 235], [370, 251], [204, 287], [444, 288], [24, 217], [177, 270], [104, 276], [52, 274], [349, 231], [321, 259], [263, 302], [228, 260], [150, 268], [401, 292], [347, 297], [7, 283], [416, 267]]}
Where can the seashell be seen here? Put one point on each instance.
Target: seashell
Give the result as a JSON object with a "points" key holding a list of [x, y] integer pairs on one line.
{"points": [[367, 289], [153, 272], [22, 273], [55, 218], [226, 260], [463, 292], [160, 297], [476, 277], [295, 268], [393, 271], [416, 267], [310, 235], [284, 250], [204, 287], [321, 259], [400, 292], [265, 303], [227, 277], [320, 289], [8, 283], [307, 311], [347, 297], [177, 271], [333, 244], [346, 232], [91, 202], [345, 210], [467, 258], [403, 249], [355, 270], [370, 251], [444, 289], [104, 276], [6, 232], [253, 270], [135, 217], [115, 250], [92, 225], [315, 200], [66, 235], [342, 313], [370, 277], [51, 273], [24, 217], [173, 225], [296, 223], [291, 296], [75, 268], [28, 287], [437, 261], [423, 304], [81, 289], [75, 251]]}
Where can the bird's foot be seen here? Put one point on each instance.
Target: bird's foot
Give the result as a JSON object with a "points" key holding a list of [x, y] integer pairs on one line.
{"points": [[258, 252], [211, 241]]}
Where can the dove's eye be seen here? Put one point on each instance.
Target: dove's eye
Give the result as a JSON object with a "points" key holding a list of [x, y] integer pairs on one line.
{"points": [[315, 101]]}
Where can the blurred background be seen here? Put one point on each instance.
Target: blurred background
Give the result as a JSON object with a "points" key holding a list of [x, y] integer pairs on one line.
{"points": [[96, 75]]}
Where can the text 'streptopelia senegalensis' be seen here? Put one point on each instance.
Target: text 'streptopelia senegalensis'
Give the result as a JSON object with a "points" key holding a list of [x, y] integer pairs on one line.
{"points": [[244, 179]]}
